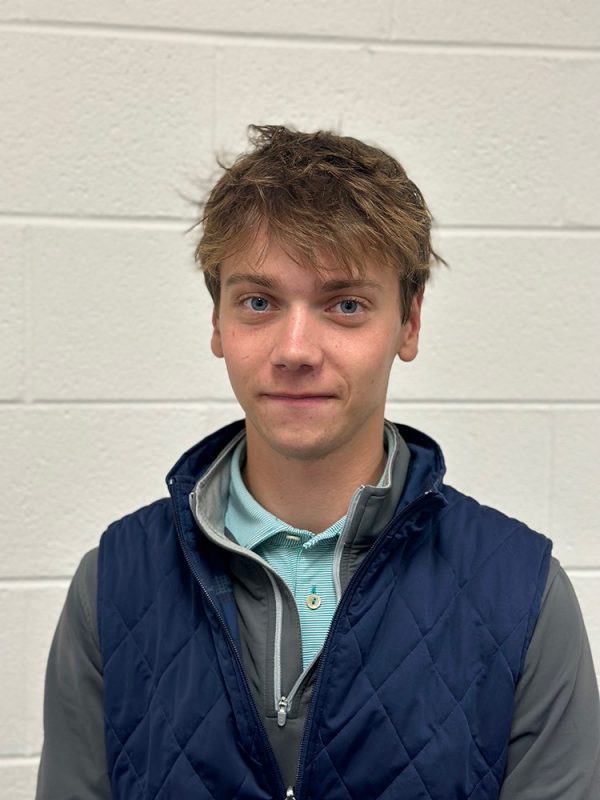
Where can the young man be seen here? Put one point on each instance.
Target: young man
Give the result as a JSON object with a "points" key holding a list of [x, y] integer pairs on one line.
{"points": [[314, 613]]}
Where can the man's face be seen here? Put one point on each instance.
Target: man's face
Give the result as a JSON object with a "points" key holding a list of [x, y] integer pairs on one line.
{"points": [[309, 355]]}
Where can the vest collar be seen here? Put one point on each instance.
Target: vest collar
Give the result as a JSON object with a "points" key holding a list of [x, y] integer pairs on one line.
{"points": [[206, 468]]}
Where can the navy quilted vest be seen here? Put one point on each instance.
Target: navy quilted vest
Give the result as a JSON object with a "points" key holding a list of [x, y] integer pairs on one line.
{"points": [[415, 689]]}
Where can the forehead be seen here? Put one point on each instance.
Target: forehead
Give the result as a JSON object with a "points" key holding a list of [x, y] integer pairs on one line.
{"points": [[268, 262]]}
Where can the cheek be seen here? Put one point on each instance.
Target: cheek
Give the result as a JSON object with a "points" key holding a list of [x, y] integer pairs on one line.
{"points": [[237, 352], [376, 363], [380, 354]]}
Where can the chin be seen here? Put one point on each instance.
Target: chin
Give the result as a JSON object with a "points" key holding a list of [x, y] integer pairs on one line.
{"points": [[301, 450]]}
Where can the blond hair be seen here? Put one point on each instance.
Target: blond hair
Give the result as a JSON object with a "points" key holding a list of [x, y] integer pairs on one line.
{"points": [[319, 193]]}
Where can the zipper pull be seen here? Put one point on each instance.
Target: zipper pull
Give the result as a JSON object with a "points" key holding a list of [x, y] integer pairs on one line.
{"points": [[289, 795], [282, 709]]}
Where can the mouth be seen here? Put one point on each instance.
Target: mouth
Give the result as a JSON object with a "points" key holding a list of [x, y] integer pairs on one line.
{"points": [[298, 399]]}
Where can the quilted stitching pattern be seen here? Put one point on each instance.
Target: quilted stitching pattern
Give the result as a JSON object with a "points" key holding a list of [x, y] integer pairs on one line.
{"points": [[426, 645], [425, 650], [155, 693]]}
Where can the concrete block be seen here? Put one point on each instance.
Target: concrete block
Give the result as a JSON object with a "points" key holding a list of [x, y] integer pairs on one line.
{"points": [[95, 125], [500, 456], [13, 313], [580, 171], [587, 589], [28, 616], [18, 778], [71, 470], [564, 23], [120, 314], [312, 18], [574, 485], [303, 86], [513, 318], [492, 139]]}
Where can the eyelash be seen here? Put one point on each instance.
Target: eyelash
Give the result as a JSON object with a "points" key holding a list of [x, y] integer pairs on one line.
{"points": [[246, 303], [359, 303]]}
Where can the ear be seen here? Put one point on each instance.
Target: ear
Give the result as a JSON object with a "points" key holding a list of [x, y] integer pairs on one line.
{"points": [[409, 344], [215, 340]]}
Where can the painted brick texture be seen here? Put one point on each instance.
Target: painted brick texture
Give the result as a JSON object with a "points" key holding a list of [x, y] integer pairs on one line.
{"points": [[112, 115]]}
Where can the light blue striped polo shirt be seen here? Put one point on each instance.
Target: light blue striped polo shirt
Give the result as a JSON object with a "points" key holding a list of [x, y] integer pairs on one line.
{"points": [[303, 559]]}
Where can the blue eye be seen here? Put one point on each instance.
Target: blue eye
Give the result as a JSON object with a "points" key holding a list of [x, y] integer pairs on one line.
{"points": [[258, 303], [349, 306]]}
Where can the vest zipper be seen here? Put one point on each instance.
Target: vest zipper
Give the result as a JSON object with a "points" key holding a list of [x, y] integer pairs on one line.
{"points": [[231, 643]]}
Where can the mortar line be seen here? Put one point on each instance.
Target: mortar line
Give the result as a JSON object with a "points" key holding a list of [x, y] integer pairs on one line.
{"points": [[588, 572], [181, 224], [178, 224], [539, 404], [300, 40], [28, 339], [35, 581], [17, 760], [216, 84]]}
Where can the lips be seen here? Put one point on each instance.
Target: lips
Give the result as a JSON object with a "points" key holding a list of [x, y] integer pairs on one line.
{"points": [[298, 400], [289, 396]]}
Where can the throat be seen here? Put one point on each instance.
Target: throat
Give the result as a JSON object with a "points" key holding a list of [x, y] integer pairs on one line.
{"points": [[309, 496]]}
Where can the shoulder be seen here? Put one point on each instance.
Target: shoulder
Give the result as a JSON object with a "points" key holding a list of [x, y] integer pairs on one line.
{"points": [[147, 518], [487, 529], [501, 563], [145, 529], [136, 554], [470, 510], [81, 602]]}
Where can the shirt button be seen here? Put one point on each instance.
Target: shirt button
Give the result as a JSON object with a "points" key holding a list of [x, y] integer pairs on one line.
{"points": [[313, 601]]}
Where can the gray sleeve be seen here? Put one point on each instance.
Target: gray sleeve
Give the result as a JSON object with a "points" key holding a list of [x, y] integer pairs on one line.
{"points": [[73, 763], [554, 750]]}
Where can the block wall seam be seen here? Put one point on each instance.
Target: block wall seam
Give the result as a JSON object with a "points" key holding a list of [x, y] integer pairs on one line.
{"points": [[158, 33], [454, 404], [181, 224]]}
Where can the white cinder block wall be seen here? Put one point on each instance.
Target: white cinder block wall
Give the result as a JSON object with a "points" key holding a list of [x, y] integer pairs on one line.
{"points": [[110, 117]]}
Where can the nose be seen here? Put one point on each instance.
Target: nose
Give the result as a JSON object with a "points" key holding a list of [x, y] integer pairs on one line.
{"points": [[297, 341]]}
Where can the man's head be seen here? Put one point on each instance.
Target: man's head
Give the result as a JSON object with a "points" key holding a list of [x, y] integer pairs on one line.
{"points": [[316, 195]]}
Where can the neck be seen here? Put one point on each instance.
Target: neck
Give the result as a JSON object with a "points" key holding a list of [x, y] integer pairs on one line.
{"points": [[311, 495]]}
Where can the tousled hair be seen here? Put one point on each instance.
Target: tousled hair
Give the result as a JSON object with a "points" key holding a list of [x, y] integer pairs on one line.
{"points": [[319, 193]]}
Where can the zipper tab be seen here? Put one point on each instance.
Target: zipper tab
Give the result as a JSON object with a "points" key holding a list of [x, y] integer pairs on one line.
{"points": [[289, 795], [282, 710]]}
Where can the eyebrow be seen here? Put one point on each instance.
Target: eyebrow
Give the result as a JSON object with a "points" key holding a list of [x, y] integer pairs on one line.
{"points": [[250, 277], [339, 284], [349, 283]]}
